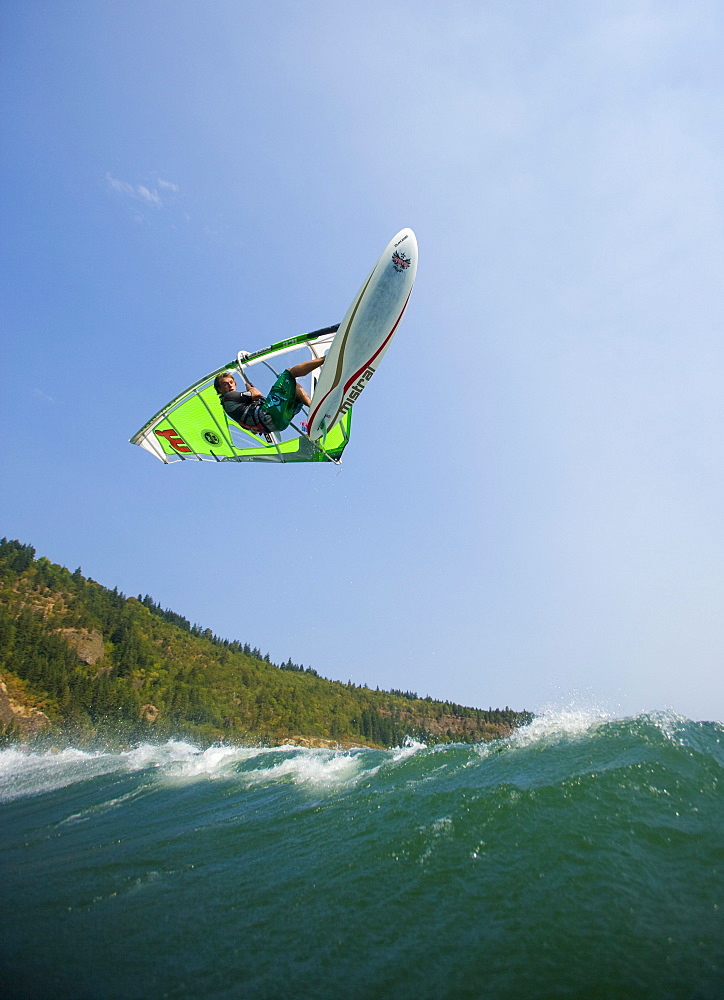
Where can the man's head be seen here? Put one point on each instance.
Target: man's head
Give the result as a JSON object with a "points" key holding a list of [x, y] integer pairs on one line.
{"points": [[225, 382]]}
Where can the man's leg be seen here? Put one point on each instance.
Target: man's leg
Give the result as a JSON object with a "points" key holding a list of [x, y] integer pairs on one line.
{"points": [[299, 371], [303, 396], [305, 367]]}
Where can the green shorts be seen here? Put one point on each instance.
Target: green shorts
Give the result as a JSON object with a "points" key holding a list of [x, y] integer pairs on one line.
{"points": [[281, 405]]}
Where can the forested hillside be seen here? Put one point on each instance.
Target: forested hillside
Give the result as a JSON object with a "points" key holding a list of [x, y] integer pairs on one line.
{"points": [[80, 661]]}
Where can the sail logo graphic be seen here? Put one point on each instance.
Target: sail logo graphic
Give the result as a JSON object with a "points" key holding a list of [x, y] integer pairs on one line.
{"points": [[174, 439], [356, 390], [210, 437], [400, 261]]}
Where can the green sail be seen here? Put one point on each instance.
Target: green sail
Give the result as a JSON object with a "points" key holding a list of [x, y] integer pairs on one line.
{"points": [[194, 426]]}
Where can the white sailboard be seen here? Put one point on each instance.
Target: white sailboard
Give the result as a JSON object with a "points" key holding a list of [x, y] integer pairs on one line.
{"points": [[364, 334]]}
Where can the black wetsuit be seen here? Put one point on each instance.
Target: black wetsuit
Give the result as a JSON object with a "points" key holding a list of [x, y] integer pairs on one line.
{"points": [[244, 410]]}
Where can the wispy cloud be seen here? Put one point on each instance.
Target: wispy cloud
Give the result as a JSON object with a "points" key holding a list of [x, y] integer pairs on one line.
{"points": [[140, 192]]}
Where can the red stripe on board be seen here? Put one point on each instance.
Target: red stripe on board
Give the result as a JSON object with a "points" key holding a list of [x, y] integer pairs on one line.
{"points": [[380, 348], [340, 359], [364, 366]]}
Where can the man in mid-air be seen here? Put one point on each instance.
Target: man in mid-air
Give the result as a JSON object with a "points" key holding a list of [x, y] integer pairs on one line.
{"points": [[264, 414]]}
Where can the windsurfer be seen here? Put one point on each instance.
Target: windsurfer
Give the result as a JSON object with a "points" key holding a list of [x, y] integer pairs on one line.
{"points": [[258, 413]]}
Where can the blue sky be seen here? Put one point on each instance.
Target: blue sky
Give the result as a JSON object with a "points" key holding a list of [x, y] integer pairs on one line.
{"points": [[530, 511]]}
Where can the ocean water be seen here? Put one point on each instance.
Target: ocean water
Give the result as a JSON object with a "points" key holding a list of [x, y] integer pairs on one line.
{"points": [[583, 857]]}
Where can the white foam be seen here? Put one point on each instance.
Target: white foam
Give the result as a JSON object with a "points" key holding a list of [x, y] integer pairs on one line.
{"points": [[216, 763], [26, 773], [23, 773], [318, 769], [554, 723], [408, 749], [180, 758], [670, 724], [100, 807]]}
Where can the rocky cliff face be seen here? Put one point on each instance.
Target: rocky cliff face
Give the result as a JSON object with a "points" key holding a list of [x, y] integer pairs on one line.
{"points": [[87, 644], [27, 719]]}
